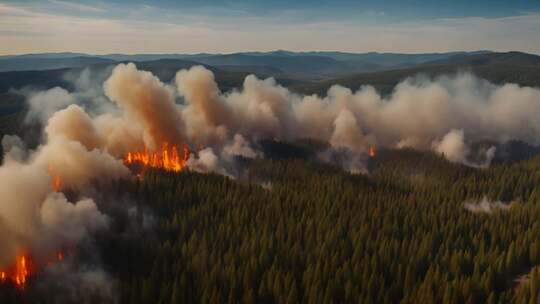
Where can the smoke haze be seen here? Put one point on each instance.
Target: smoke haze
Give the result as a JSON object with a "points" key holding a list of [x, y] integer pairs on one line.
{"points": [[83, 144]]}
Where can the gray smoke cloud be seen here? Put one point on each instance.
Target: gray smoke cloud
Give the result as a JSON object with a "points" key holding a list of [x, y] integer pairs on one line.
{"points": [[44, 104], [73, 282], [14, 148], [239, 147], [87, 92]]}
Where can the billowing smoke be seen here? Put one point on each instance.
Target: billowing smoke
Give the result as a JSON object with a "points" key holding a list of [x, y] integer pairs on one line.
{"points": [[87, 91], [453, 146], [44, 104], [208, 116], [205, 161], [35, 218], [346, 132], [146, 100], [83, 143], [74, 124], [444, 115]]}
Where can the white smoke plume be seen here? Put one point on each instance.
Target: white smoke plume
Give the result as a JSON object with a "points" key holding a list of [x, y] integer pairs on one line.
{"points": [[346, 132], [239, 147], [205, 161], [443, 115], [145, 99], [420, 113], [487, 206], [44, 104], [453, 146], [208, 117], [34, 218], [76, 166], [74, 124]]}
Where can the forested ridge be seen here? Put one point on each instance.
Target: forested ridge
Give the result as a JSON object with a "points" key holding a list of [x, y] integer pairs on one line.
{"points": [[295, 230], [317, 234]]}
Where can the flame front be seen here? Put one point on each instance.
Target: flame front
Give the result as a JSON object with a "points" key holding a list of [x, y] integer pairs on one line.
{"points": [[23, 267], [17, 273], [167, 158]]}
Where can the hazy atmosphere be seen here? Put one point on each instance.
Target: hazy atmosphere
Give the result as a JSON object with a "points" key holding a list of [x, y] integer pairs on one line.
{"points": [[269, 152]]}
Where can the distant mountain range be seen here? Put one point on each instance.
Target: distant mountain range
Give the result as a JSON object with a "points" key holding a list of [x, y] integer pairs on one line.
{"points": [[301, 64], [510, 58], [499, 68], [304, 72]]}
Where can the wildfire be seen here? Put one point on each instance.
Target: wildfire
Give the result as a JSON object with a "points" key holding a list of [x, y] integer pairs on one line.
{"points": [[371, 151], [168, 158], [22, 268], [19, 272]]}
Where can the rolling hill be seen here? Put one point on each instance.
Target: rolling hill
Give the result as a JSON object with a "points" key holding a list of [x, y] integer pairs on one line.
{"points": [[304, 72], [25, 63], [511, 67], [306, 64], [507, 58]]}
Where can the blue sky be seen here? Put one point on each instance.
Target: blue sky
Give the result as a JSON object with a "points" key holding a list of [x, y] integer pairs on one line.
{"points": [[224, 26]]}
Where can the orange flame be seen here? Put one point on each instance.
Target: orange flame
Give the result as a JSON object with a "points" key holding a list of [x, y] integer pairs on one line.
{"points": [[56, 182], [22, 268], [371, 151], [167, 158], [19, 272]]}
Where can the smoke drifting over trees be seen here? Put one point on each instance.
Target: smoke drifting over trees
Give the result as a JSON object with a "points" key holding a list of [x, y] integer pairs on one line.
{"points": [[82, 145], [443, 115]]}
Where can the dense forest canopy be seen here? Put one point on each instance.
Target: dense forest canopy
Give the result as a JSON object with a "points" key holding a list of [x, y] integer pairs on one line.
{"points": [[295, 230]]}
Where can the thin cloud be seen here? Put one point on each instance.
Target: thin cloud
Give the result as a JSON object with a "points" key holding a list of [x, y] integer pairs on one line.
{"points": [[78, 6], [26, 29], [10, 10]]}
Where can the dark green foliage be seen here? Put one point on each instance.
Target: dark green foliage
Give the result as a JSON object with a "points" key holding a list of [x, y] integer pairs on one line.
{"points": [[320, 235]]}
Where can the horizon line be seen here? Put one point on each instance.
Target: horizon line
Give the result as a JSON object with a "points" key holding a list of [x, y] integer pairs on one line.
{"points": [[263, 52]]}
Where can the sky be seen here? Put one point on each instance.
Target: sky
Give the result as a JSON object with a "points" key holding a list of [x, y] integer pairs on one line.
{"points": [[227, 26]]}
